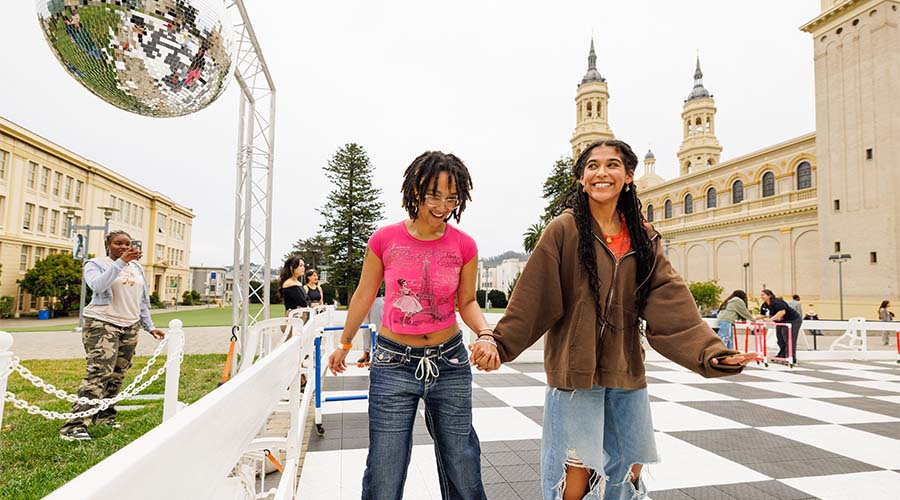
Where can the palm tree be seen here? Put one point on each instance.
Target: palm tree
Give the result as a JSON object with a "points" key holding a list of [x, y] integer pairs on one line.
{"points": [[532, 236]]}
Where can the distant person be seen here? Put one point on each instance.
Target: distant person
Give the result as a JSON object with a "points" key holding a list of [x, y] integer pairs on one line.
{"points": [[812, 316], [795, 305], [289, 284], [119, 309], [312, 289], [782, 314], [732, 309], [885, 315]]}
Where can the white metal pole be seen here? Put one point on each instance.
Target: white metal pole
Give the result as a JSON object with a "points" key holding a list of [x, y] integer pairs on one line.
{"points": [[87, 246], [6, 355], [175, 337]]}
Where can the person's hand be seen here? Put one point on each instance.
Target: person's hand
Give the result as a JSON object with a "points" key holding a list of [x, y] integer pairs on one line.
{"points": [[133, 253], [337, 361], [742, 359], [157, 333], [484, 356]]}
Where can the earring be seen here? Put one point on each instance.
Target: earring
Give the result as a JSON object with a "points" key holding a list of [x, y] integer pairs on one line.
{"points": [[627, 187]]}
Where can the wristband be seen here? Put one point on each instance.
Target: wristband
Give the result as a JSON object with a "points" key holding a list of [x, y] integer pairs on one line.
{"points": [[487, 328], [486, 341], [491, 335], [346, 347]]}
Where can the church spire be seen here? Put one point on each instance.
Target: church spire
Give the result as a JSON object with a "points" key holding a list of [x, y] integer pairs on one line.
{"points": [[699, 91], [592, 74]]}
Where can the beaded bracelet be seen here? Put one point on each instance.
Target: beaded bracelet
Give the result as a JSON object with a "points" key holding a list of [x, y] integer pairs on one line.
{"points": [[487, 341]]}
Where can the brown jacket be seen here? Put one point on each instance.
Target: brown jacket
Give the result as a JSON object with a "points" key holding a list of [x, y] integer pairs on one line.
{"points": [[552, 295]]}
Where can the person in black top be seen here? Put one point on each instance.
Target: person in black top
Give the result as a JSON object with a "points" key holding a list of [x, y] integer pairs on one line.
{"points": [[312, 288], [291, 289], [780, 312]]}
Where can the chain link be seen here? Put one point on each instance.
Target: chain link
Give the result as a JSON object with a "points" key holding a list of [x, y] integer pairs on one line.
{"points": [[99, 404]]}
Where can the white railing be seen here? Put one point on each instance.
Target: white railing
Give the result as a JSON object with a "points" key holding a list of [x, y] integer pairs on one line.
{"points": [[198, 453]]}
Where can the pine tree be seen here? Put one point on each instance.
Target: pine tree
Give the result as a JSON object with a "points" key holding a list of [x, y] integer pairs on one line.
{"points": [[558, 190], [351, 215], [312, 250]]}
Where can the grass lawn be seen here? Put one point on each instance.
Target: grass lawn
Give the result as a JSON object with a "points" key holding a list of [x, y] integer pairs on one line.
{"points": [[34, 461], [212, 316]]}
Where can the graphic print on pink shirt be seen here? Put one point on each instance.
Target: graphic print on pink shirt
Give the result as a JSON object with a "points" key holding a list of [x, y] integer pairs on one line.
{"points": [[408, 304]]}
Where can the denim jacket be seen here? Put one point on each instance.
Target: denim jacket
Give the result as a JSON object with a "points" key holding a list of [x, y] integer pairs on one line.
{"points": [[100, 279]]}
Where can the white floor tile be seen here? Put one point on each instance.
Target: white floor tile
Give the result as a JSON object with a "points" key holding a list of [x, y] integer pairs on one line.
{"points": [[519, 396], [503, 424], [673, 417], [504, 369], [685, 466], [820, 410], [677, 392], [842, 365], [867, 374], [685, 377], [798, 390], [541, 376], [889, 399], [668, 365], [354, 406], [877, 384], [784, 376], [877, 485], [859, 445]]}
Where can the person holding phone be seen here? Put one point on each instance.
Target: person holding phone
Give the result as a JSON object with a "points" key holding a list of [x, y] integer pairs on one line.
{"points": [[119, 309]]}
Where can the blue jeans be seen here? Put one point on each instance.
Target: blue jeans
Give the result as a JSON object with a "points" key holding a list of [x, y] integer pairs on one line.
{"points": [[606, 430], [401, 376], [726, 333]]}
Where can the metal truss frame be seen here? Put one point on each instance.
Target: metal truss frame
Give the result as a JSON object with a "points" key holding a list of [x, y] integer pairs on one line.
{"points": [[255, 162]]}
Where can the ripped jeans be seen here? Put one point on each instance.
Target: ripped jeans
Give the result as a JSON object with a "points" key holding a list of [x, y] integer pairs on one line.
{"points": [[401, 377], [608, 430]]}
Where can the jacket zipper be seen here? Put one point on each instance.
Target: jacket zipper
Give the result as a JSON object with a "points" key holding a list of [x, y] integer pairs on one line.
{"points": [[612, 288]]}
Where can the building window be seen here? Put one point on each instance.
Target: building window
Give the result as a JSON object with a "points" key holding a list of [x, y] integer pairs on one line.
{"points": [[2, 210], [737, 191], [45, 180], [161, 223], [42, 219], [837, 205], [24, 257], [54, 216], [768, 184], [38, 254], [57, 183], [688, 204], [837, 246], [67, 194], [127, 212], [804, 175], [668, 209], [29, 213], [711, 198], [32, 174], [869, 154], [79, 187], [3, 156], [649, 213], [873, 257]]}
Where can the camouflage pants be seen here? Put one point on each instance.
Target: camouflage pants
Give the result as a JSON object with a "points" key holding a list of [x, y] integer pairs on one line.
{"points": [[109, 350]]}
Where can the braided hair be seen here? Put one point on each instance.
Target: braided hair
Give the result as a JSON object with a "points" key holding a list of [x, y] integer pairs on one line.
{"points": [[421, 177], [629, 205], [110, 236]]}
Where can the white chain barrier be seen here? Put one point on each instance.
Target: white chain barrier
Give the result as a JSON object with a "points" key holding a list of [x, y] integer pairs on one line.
{"points": [[132, 390]]}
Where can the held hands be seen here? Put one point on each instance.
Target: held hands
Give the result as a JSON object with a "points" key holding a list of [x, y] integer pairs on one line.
{"points": [[742, 359], [157, 333], [337, 361], [485, 356]]}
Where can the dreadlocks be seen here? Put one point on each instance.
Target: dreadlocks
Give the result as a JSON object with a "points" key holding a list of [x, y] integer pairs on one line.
{"points": [[421, 178], [629, 205]]}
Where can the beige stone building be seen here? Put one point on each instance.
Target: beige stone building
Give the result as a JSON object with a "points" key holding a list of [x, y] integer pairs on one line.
{"points": [[38, 178], [771, 218]]}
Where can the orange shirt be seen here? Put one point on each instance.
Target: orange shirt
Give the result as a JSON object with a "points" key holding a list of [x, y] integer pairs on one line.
{"points": [[619, 244]]}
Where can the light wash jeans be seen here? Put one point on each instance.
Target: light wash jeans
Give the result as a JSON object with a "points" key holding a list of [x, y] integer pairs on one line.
{"points": [[609, 430], [726, 333], [401, 376]]}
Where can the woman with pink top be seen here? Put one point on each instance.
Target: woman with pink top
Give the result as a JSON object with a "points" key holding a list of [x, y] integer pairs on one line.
{"points": [[428, 267]]}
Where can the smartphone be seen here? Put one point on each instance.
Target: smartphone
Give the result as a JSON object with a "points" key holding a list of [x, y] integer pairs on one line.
{"points": [[136, 244]]}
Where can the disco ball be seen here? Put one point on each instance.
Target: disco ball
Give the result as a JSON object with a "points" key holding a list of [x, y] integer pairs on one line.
{"points": [[150, 57]]}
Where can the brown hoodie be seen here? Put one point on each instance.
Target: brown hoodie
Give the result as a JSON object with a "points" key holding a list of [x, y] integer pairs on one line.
{"points": [[553, 296]]}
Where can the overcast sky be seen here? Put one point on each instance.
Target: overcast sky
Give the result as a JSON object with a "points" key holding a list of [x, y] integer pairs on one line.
{"points": [[492, 81]]}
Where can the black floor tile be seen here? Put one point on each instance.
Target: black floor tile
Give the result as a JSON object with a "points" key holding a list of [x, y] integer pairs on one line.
{"points": [[886, 429], [751, 414]]}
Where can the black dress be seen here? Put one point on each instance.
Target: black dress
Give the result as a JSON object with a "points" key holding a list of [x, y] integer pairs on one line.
{"points": [[294, 297]]}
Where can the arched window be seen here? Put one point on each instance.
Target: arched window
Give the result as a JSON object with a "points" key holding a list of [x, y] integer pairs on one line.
{"points": [[768, 184], [711, 198], [668, 209], [649, 213], [688, 204], [737, 191], [804, 175]]}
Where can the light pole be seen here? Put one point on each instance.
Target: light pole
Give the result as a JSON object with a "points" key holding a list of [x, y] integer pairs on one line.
{"points": [[840, 258], [87, 228], [746, 275]]}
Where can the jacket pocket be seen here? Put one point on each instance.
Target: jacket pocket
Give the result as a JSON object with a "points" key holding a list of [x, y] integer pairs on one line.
{"points": [[582, 339]]}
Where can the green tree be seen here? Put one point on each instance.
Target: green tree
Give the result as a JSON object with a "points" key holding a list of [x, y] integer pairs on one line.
{"points": [[706, 295], [497, 298], [512, 286], [351, 215], [312, 250], [57, 276], [558, 189]]}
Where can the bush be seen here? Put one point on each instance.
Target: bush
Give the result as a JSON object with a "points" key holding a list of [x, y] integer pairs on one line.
{"points": [[328, 293], [6, 306], [155, 302], [187, 299], [706, 295], [497, 298], [479, 297], [275, 292]]}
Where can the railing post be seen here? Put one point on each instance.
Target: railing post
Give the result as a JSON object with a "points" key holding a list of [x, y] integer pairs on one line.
{"points": [[6, 355], [175, 337]]}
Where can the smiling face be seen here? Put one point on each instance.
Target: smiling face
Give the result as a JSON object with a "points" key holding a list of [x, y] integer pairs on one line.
{"points": [[605, 175], [439, 202], [118, 245], [765, 297]]}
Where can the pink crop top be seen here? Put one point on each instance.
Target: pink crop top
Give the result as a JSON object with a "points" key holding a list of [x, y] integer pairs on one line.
{"points": [[421, 277]]}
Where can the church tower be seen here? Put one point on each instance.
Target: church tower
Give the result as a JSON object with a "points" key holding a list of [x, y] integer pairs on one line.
{"points": [[700, 148], [591, 104], [650, 178], [856, 46]]}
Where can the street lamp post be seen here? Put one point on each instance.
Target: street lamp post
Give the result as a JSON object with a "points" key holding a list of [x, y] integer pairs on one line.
{"points": [[746, 277], [87, 228], [840, 258]]}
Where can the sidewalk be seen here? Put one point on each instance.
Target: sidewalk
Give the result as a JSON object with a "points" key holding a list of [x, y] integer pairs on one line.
{"points": [[31, 322]]}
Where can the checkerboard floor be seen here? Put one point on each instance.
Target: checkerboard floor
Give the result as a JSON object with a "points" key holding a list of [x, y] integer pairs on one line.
{"points": [[828, 430]]}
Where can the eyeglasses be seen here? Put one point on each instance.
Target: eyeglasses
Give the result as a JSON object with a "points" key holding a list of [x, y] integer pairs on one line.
{"points": [[434, 201]]}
